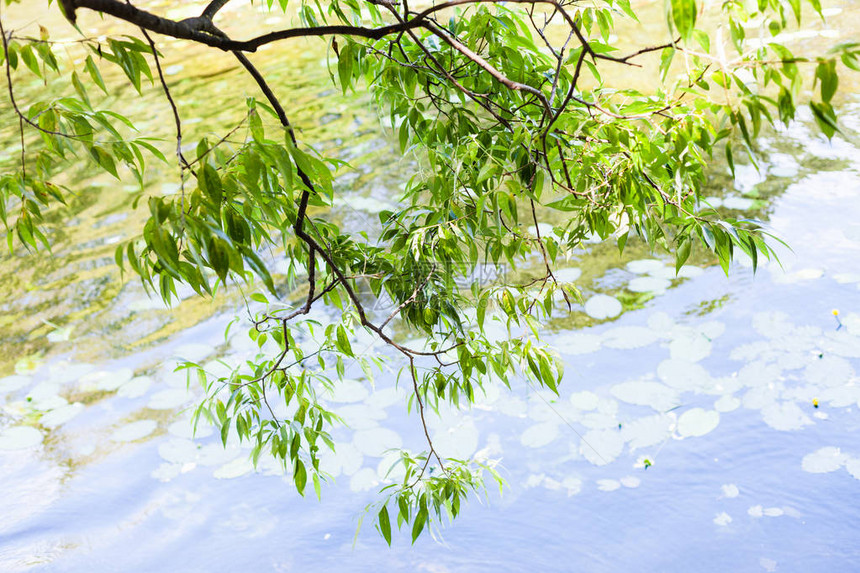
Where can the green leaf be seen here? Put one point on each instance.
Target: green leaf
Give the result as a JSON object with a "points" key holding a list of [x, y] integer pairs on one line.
{"points": [[684, 17], [384, 524]]}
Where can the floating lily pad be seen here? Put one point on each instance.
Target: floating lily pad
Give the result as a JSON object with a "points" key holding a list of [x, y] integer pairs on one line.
{"points": [[630, 481], [648, 284], [628, 337], [730, 490], [647, 431], [644, 393], [539, 435], [660, 322], [601, 447], [727, 403], [577, 343], [360, 416], [185, 429], [584, 400], [104, 380], [829, 371], [756, 511], [236, 468], [375, 441], [135, 388], [772, 324], [692, 347], [20, 438], [363, 480], [824, 460], [738, 203], [602, 306], [61, 415], [698, 422], [785, 416], [178, 451], [568, 275], [349, 391], [458, 442], [690, 272], [608, 484], [134, 431], [645, 266], [169, 399], [391, 467], [14, 383], [682, 374]]}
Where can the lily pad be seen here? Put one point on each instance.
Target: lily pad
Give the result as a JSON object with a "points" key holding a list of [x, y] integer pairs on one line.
{"points": [[602, 306], [608, 484], [644, 393], [134, 431], [785, 416], [539, 435], [375, 441], [698, 422], [648, 284], [14, 383], [20, 438], [349, 391], [584, 400], [645, 266], [577, 343], [61, 415], [169, 399], [628, 337], [601, 447], [135, 388], [824, 460], [568, 275], [730, 490]]}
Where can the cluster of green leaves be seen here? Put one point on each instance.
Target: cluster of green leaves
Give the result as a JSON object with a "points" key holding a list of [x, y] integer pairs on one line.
{"points": [[524, 152], [66, 126]]}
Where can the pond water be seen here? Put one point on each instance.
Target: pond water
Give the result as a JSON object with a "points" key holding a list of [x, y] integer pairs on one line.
{"points": [[704, 423]]}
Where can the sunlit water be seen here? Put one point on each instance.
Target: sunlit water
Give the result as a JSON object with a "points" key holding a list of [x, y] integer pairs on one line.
{"points": [[712, 380]]}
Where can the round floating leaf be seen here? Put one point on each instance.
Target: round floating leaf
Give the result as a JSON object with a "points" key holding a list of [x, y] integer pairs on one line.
{"points": [[628, 337], [134, 431], [608, 484], [568, 275], [577, 343], [648, 284], [785, 416], [61, 415], [539, 435], [602, 306], [375, 441], [601, 447], [20, 438], [824, 460], [645, 266], [698, 422], [14, 383], [730, 490], [643, 393]]}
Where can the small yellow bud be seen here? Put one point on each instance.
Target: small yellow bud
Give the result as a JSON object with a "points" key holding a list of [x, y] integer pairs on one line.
{"points": [[835, 312], [815, 402]]}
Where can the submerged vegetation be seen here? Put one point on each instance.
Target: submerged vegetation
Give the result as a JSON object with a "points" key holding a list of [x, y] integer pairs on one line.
{"points": [[522, 155]]}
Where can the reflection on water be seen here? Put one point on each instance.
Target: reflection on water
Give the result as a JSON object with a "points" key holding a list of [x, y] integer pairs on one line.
{"points": [[704, 423]]}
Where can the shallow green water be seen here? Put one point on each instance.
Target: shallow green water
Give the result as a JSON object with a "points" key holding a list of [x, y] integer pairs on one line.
{"points": [[710, 379]]}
